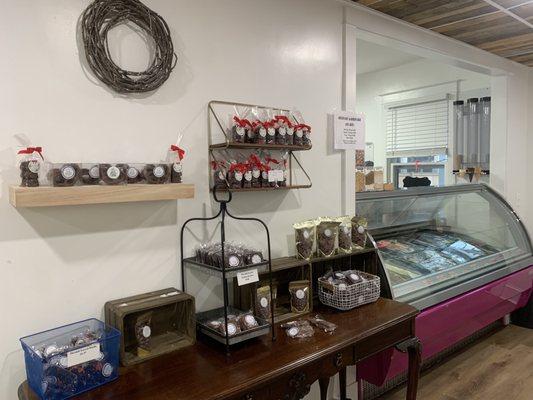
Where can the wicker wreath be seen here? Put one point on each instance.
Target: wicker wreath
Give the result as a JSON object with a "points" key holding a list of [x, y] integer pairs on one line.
{"points": [[102, 16]]}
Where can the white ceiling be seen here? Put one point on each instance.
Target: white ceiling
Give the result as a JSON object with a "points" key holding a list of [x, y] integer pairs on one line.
{"points": [[373, 57]]}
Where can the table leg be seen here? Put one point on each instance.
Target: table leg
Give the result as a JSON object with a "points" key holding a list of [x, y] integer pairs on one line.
{"points": [[412, 348], [342, 383], [323, 383]]}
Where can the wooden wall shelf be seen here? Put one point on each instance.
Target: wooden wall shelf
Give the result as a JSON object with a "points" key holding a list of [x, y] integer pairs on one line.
{"points": [[80, 195]]}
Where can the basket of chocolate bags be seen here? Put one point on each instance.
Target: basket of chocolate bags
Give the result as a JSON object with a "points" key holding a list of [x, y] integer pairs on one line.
{"points": [[345, 290]]}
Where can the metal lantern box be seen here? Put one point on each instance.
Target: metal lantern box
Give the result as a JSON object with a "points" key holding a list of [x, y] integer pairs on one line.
{"points": [[152, 324]]}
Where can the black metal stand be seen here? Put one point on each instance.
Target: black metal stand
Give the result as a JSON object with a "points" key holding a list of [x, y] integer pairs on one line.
{"points": [[223, 213]]}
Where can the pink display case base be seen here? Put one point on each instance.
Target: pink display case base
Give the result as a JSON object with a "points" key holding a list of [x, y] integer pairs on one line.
{"points": [[441, 326]]}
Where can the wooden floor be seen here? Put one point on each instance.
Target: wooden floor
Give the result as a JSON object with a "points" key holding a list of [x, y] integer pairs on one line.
{"points": [[498, 367]]}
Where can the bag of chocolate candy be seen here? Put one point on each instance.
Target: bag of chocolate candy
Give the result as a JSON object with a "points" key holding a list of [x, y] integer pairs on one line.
{"points": [[251, 256], [302, 131], [90, 174], [134, 173], [236, 175], [31, 163], [304, 236], [321, 323], [275, 173], [114, 174], [300, 296], [248, 175], [233, 326], [143, 330], [270, 125], [219, 170], [345, 234], [247, 321], [263, 302], [157, 173], [282, 178], [64, 175], [281, 124], [265, 173], [237, 129], [359, 227], [174, 158], [327, 232], [260, 131], [299, 329], [255, 164]]}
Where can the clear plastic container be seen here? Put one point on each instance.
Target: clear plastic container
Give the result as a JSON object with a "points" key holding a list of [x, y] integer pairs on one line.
{"points": [[458, 136], [484, 132], [66, 174], [66, 361], [90, 174], [472, 149]]}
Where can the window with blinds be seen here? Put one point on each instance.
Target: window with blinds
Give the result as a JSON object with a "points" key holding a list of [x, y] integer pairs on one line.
{"points": [[418, 129]]}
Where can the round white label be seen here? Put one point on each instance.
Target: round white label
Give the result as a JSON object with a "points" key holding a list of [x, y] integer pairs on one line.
{"points": [[256, 259], [360, 229], [282, 131], [342, 286], [113, 172], [328, 232], [147, 331], [221, 175], [107, 370], [306, 234], [271, 131], [238, 176], [33, 166], [262, 132], [290, 131], [264, 302], [346, 229], [233, 261], [232, 329], [177, 167], [300, 294], [159, 171], [249, 320], [132, 173], [256, 173], [50, 350], [248, 176], [293, 331], [240, 130], [94, 172], [68, 172], [299, 133], [265, 175]]}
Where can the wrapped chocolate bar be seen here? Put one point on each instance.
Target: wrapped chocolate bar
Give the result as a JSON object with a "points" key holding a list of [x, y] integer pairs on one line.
{"points": [[65, 174], [233, 326], [345, 234], [300, 296], [263, 302], [247, 321], [175, 158], [359, 226], [321, 323], [327, 231], [298, 329], [113, 174], [252, 257], [304, 235], [219, 174], [30, 161]]}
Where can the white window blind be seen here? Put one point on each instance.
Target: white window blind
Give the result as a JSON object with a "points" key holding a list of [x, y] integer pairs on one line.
{"points": [[418, 129]]}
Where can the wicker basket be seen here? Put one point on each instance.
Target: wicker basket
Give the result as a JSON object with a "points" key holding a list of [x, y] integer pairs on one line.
{"points": [[352, 295]]}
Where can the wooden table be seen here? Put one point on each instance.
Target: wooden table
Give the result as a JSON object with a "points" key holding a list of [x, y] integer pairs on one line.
{"points": [[266, 370]]}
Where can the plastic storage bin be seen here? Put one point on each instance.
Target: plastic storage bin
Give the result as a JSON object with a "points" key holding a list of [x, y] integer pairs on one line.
{"points": [[66, 361]]}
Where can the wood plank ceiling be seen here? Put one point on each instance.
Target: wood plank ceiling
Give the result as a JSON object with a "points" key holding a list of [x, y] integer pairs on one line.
{"points": [[503, 27]]}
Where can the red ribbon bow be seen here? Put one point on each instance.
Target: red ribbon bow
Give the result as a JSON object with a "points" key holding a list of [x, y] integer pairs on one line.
{"points": [[284, 119], [255, 161], [241, 122], [271, 160], [180, 151], [31, 150], [303, 126]]}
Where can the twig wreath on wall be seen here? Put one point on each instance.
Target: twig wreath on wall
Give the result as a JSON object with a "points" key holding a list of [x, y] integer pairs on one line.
{"points": [[102, 16]]}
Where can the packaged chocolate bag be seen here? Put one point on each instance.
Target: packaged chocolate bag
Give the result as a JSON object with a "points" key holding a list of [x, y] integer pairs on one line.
{"points": [[263, 302], [304, 236], [345, 234], [300, 296], [359, 227], [327, 232]]}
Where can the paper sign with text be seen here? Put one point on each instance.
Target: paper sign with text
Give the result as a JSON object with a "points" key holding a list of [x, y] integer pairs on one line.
{"points": [[349, 131], [247, 277]]}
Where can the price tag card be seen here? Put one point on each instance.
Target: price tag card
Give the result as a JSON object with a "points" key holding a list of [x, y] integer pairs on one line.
{"points": [[247, 277], [83, 355]]}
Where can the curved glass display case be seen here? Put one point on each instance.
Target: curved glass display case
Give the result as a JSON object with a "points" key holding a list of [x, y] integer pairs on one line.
{"points": [[437, 243]]}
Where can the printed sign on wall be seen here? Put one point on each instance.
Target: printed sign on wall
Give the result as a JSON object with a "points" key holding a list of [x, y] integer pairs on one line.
{"points": [[349, 131]]}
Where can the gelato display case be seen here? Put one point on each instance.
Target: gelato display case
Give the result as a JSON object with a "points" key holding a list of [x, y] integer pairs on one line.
{"points": [[460, 254]]}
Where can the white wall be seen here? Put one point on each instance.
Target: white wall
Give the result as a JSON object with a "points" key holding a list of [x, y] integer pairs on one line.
{"points": [[406, 78], [61, 265]]}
